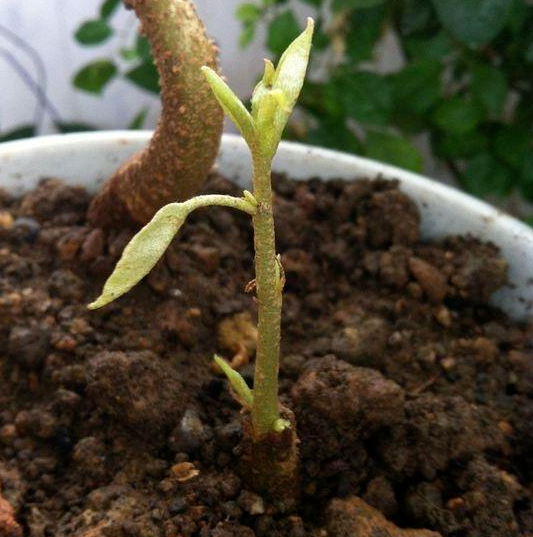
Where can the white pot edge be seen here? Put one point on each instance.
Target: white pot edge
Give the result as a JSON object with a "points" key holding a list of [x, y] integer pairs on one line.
{"points": [[88, 158]]}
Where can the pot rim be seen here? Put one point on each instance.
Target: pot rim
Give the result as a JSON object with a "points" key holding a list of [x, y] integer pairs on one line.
{"points": [[444, 209]]}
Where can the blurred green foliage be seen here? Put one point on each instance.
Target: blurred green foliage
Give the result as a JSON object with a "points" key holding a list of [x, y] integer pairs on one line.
{"points": [[467, 81]]}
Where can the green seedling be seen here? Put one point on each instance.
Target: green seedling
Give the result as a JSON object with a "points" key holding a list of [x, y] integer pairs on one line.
{"points": [[269, 439]]}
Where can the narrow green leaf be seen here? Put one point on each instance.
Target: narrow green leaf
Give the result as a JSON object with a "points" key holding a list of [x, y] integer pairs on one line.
{"points": [[393, 150], [145, 76], [231, 104], [474, 22], [138, 121], [108, 8], [95, 76], [142, 253], [242, 392], [93, 32]]}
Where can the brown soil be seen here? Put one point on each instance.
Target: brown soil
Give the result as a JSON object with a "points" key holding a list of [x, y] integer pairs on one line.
{"points": [[413, 397]]}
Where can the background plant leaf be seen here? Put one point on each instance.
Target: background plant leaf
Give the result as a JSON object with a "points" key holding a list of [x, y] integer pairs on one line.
{"points": [[282, 30], [95, 76], [138, 121], [458, 115], [109, 7], [393, 150], [367, 97], [485, 175], [490, 87], [93, 32], [474, 22], [145, 76]]}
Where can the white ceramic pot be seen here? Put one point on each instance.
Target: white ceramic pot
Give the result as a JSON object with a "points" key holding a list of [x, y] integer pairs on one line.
{"points": [[89, 158]]}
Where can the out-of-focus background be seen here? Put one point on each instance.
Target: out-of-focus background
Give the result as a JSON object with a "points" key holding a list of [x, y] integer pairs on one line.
{"points": [[443, 87]]}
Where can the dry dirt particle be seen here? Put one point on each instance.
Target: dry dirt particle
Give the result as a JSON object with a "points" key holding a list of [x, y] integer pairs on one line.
{"points": [[355, 518]]}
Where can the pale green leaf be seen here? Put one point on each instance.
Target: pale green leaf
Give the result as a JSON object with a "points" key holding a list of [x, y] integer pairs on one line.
{"points": [[275, 96], [143, 252], [243, 393], [290, 73], [231, 104]]}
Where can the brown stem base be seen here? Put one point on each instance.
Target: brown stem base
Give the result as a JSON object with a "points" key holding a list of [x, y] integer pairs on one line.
{"points": [[269, 464]]}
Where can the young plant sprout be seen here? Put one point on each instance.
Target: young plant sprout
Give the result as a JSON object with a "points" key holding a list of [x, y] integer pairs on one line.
{"points": [[269, 444]]}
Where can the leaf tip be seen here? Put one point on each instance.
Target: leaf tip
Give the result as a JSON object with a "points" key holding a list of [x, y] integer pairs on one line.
{"points": [[100, 302]]}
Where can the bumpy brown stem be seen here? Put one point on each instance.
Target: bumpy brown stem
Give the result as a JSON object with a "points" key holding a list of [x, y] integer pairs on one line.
{"points": [[185, 144], [269, 463]]}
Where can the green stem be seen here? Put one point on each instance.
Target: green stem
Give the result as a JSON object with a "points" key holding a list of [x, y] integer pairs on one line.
{"points": [[265, 409]]}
